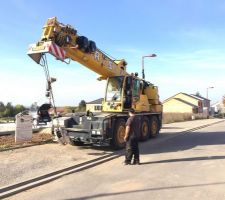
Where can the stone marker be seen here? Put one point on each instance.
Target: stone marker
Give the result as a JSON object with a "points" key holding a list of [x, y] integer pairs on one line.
{"points": [[23, 132]]}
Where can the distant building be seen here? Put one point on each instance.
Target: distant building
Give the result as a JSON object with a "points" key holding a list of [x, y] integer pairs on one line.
{"points": [[94, 106], [185, 103], [177, 105], [59, 110], [218, 107], [205, 103]]}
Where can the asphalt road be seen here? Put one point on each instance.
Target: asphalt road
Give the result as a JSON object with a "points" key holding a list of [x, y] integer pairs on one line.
{"points": [[187, 166], [9, 128]]}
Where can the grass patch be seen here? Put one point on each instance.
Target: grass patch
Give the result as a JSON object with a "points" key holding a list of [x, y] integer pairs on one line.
{"points": [[7, 119]]}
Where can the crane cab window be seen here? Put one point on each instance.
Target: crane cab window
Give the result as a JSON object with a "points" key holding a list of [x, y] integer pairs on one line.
{"points": [[114, 88], [128, 93], [136, 88]]}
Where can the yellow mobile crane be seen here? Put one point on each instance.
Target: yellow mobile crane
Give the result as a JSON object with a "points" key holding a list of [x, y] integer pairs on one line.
{"points": [[123, 90]]}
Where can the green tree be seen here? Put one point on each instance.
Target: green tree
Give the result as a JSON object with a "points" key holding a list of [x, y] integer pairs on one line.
{"points": [[9, 110], [2, 109], [82, 105], [18, 108], [198, 94]]}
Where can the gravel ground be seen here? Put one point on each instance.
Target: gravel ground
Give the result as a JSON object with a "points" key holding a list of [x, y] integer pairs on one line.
{"points": [[26, 163], [8, 141]]}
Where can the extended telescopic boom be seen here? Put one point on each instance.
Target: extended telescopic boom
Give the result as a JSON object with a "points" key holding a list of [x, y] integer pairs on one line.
{"points": [[63, 42]]}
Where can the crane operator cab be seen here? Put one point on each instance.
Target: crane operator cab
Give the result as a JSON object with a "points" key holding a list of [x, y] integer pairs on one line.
{"points": [[125, 92]]}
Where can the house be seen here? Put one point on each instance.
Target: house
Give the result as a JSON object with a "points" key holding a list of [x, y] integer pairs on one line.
{"points": [[184, 103], [177, 105], [218, 107], [94, 106], [205, 103]]}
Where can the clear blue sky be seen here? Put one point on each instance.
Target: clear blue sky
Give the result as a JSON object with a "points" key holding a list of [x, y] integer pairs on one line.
{"points": [[188, 37]]}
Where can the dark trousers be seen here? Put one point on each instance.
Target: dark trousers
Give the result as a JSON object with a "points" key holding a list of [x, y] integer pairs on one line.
{"points": [[132, 150]]}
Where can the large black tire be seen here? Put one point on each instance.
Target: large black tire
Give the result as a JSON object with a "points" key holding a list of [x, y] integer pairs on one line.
{"points": [[154, 127], [145, 129], [118, 135]]}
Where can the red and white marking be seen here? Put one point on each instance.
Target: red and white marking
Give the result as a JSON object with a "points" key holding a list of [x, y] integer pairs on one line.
{"points": [[57, 51], [48, 47]]}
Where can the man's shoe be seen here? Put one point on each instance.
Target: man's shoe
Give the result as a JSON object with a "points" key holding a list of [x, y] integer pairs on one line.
{"points": [[136, 162], [127, 163]]}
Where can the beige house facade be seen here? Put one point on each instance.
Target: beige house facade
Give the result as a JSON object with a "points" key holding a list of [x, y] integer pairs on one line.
{"points": [[184, 103], [176, 105], [94, 106]]}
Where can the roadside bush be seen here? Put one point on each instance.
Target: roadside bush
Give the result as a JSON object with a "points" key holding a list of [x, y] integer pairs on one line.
{"points": [[181, 117], [175, 117]]}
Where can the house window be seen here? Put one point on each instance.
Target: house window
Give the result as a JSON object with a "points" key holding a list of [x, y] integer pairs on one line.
{"points": [[199, 104], [195, 110], [98, 107]]}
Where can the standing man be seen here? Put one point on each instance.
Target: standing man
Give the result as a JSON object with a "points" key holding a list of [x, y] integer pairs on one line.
{"points": [[131, 139]]}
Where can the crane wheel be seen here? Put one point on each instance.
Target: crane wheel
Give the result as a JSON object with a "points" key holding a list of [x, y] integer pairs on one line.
{"points": [[154, 126], [119, 133], [145, 129]]}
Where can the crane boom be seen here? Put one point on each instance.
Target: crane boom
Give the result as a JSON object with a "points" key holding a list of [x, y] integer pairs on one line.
{"points": [[63, 42]]}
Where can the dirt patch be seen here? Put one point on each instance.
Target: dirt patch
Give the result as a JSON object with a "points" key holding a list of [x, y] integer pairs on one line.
{"points": [[7, 142]]}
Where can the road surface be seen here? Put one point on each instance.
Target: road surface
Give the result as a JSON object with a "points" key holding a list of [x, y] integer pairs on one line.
{"points": [[9, 128], [187, 166]]}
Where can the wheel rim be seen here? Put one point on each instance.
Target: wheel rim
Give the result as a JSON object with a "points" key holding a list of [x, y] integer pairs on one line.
{"points": [[144, 129], [154, 127], [120, 134]]}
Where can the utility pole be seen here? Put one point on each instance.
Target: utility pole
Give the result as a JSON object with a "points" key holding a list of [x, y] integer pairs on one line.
{"points": [[143, 69], [208, 102]]}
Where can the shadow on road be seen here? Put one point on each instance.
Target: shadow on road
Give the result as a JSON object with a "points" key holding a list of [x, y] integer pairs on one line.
{"points": [[100, 150], [101, 195], [185, 160], [183, 142], [171, 128]]}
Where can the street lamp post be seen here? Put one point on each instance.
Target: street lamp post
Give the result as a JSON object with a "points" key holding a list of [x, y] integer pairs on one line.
{"points": [[143, 57], [207, 96]]}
